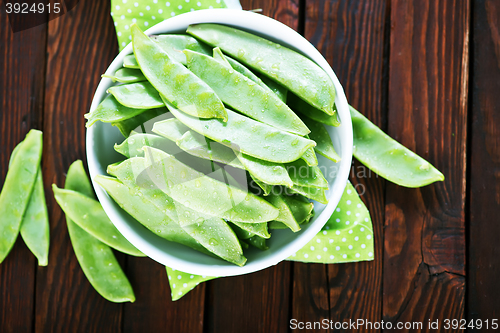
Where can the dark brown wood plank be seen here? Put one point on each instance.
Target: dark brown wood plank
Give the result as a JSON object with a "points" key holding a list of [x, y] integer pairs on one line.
{"points": [[81, 44], [425, 228], [351, 37], [21, 109], [154, 302], [484, 252], [260, 301]]}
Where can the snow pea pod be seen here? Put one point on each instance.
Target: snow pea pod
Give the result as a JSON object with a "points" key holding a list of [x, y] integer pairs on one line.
{"points": [[191, 188], [90, 216], [146, 213], [174, 44], [286, 215], [324, 145], [301, 209], [258, 242], [171, 129], [244, 95], [290, 68], [276, 88], [298, 105], [304, 175], [132, 146], [139, 95], [387, 157], [251, 137], [259, 229], [17, 188], [126, 75], [197, 145], [266, 188], [95, 258], [130, 62], [309, 156], [212, 233], [128, 125], [174, 81], [267, 172], [111, 111], [313, 193], [35, 224]]}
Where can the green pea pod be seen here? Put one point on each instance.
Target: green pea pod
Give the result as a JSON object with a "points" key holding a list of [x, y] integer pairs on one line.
{"points": [[197, 145], [258, 242], [244, 95], [95, 258], [17, 188], [304, 175], [139, 95], [267, 172], [298, 105], [320, 135], [259, 229], [111, 111], [205, 194], [212, 233], [290, 68], [131, 124], [387, 157], [313, 193], [301, 209], [276, 88], [286, 215], [90, 216], [132, 146], [309, 156], [126, 75], [35, 229], [171, 129], [249, 136], [174, 81], [174, 44], [266, 188], [146, 213], [130, 62]]}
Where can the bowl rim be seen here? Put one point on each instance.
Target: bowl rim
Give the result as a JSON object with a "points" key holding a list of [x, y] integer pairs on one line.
{"points": [[274, 30]]}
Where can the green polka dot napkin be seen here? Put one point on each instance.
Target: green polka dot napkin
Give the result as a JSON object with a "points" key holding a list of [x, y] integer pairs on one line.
{"points": [[346, 237], [148, 13], [348, 234]]}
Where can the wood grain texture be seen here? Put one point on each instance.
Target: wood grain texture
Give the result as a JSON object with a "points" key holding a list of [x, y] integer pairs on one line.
{"points": [[351, 37], [484, 183], [81, 44], [258, 302], [425, 228], [154, 310], [21, 108]]}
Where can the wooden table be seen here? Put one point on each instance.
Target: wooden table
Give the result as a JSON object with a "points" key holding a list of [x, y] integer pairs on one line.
{"points": [[427, 72]]}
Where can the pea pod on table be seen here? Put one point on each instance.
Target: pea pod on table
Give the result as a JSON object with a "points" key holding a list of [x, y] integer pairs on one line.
{"points": [[249, 136], [17, 188], [35, 229], [126, 75], [190, 188], [90, 216], [293, 70], [139, 95], [111, 111], [95, 258], [244, 95], [212, 233], [174, 81], [387, 157]]}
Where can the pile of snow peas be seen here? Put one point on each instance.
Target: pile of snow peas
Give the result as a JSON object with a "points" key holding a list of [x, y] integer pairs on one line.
{"points": [[223, 96]]}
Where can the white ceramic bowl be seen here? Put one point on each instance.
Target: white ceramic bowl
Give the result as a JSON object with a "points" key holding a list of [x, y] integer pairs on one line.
{"points": [[283, 243]]}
